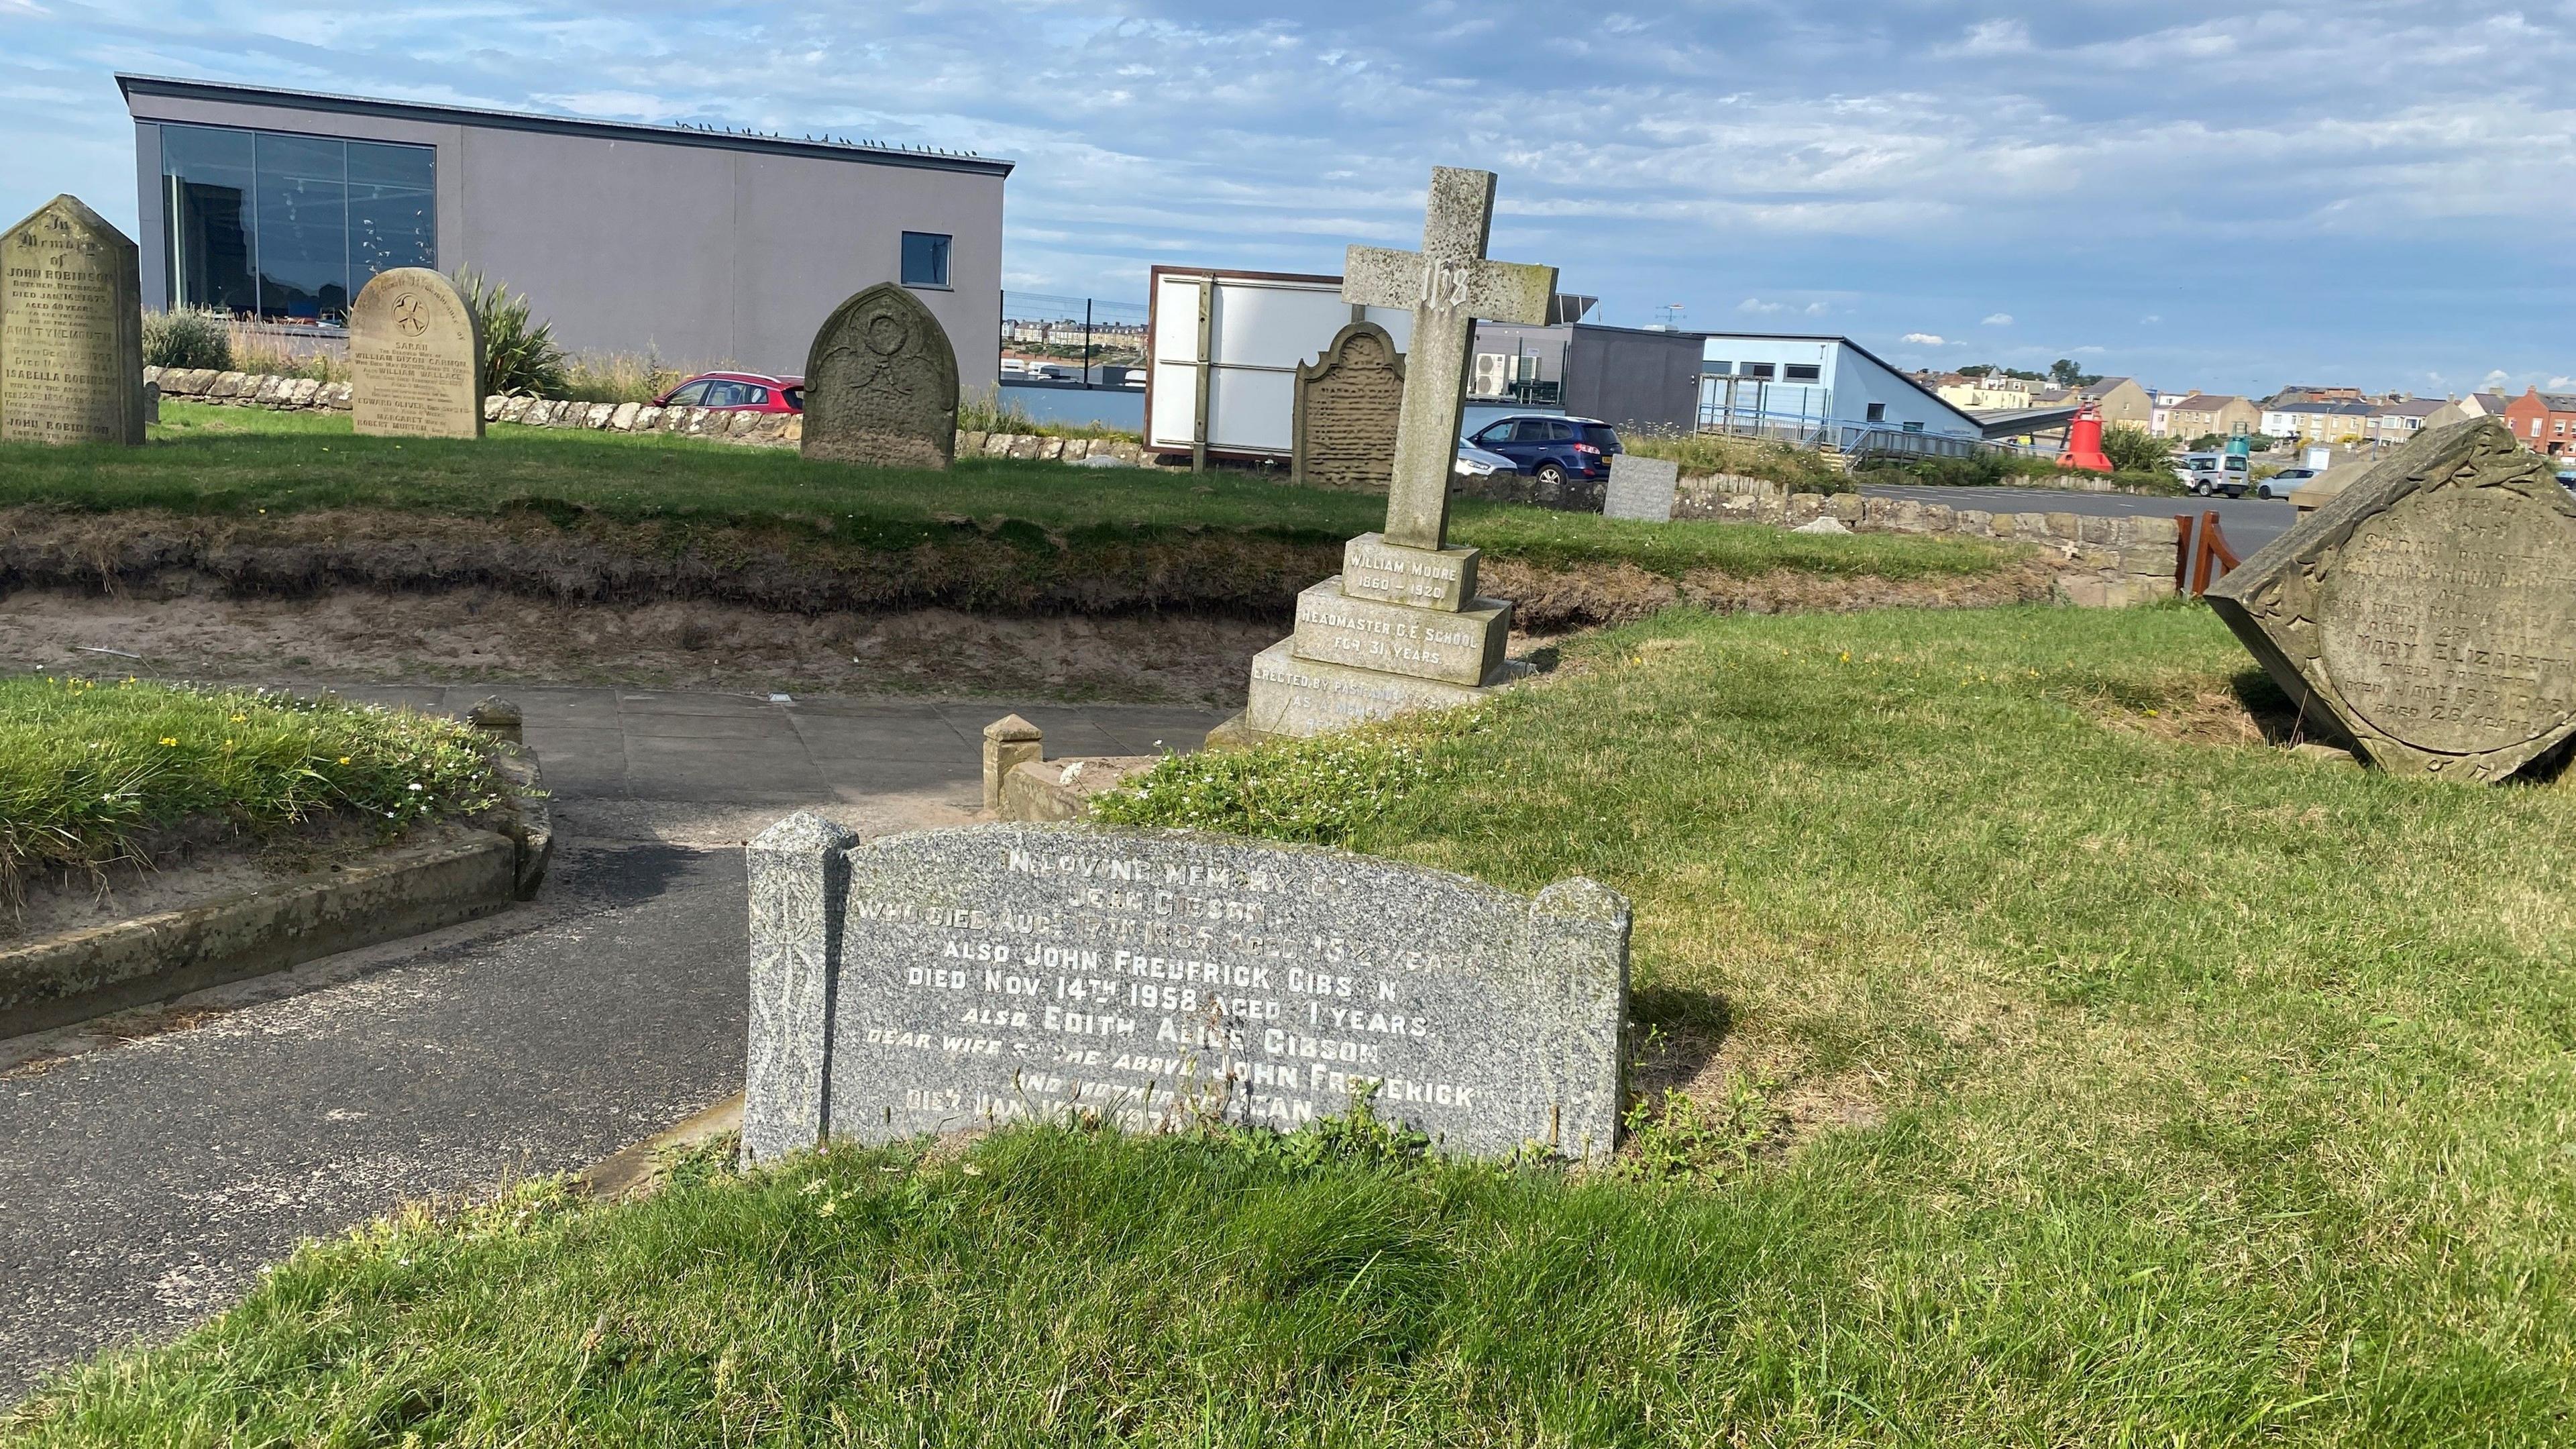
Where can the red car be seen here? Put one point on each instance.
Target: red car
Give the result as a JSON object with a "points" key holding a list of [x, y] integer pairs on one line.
{"points": [[737, 392]]}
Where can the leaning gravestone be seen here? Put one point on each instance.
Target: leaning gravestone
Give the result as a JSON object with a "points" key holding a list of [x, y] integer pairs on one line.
{"points": [[2429, 610], [881, 384], [1400, 627], [972, 977], [71, 330], [1641, 488], [1348, 404], [415, 358]]}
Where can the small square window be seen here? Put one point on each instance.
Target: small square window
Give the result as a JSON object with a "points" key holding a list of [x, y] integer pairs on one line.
{"points": [[1805, 372], [925, 259], [1878, 412]]}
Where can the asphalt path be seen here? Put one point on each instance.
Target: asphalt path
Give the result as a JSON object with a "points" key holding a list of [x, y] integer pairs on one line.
{"points": [[151, 1162], [2247, 523]]}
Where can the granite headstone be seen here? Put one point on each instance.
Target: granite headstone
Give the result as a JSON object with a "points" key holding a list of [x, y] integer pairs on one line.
{"points": [[1641, 488], [71, 330], [2429, 610], [881, 384], [1348, 404], [971, 977], [415, 358]]}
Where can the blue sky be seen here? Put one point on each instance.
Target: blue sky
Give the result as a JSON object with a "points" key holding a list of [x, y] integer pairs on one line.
{"points": [[2231, 196]]}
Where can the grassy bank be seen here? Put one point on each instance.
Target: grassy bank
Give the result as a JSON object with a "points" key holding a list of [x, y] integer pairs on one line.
{"points": [[249, 465], [94, 773], [2106, 1075]]}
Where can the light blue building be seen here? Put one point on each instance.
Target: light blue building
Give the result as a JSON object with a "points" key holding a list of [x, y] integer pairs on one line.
{"points": [[1822, 390]]}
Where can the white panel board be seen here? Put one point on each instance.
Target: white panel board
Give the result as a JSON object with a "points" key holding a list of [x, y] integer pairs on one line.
{"points": [[1260, 331], [1252, 412]]}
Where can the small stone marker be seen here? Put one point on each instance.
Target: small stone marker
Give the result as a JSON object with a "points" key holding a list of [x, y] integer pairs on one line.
{"points": [[2429, 609], [71, 330], [1349, 402], [415, 358], [1401, 628], [881, 384], [1641, 488], [972, 977]]}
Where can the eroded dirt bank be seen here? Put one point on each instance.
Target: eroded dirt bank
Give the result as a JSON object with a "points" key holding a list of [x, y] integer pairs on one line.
{"points": [[956, 610]]}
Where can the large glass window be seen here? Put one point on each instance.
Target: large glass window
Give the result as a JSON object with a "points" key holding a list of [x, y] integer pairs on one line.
{"points": [[289, 228]]}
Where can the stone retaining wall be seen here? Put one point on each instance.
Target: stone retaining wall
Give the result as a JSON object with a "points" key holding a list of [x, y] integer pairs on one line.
{"points": [[783, 430], [2100, 561]]}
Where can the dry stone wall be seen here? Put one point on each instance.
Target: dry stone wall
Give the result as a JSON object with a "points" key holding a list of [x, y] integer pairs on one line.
{"points": [[2101, 562], [782, 430]]}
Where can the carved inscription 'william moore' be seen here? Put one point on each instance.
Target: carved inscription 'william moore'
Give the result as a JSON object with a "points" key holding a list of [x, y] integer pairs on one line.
{"points": [[2430, 610]]}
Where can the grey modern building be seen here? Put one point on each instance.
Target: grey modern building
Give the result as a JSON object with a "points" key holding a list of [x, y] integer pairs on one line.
{"points": [[704, 247], [1629, 377]]}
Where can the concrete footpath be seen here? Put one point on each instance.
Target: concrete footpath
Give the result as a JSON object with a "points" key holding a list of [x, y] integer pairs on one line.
{"points": [[149, 1164]]}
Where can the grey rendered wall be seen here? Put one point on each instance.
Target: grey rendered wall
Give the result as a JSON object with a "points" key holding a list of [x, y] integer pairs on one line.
{"points": [[703, 254], [1632, 379]]}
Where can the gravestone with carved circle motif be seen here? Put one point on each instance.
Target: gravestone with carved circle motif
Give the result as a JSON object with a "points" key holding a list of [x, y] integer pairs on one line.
{"points": [[881, 384]]}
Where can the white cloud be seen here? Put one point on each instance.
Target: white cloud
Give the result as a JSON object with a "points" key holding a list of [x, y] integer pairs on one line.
{"points": [[2494, 380], [1993, 37], [2150, 320], [2558, 384], [1817, 309], [1997, 319], [1756, 307], [1925, 339]]}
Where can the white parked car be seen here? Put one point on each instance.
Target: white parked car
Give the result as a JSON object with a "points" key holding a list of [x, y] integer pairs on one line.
{"points": [[1475, 462], [2283, 483]]}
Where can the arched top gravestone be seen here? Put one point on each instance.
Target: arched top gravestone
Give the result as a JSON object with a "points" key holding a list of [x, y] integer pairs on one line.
{"points": [[881, 384], [2430, 609], [1349, 404], [415, 358], [71, 330]]}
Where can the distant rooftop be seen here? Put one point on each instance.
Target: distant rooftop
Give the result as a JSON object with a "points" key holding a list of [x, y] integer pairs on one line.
{"points": [[837, 148]]}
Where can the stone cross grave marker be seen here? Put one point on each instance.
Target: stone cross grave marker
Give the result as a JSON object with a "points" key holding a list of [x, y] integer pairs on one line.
{"points": [[71, 330], [1641, 488], [881, 384], [1401, 627], [1348, 406], [2429, 611], [972, 977], [415, 358]]}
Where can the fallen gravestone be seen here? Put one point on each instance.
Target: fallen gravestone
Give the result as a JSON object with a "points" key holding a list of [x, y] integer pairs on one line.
{"points": [[1348, 404], [1401, 628], [1641, 488], [415, 358], [2428, 610], [972, 977], [881, 384], [71, 330]]}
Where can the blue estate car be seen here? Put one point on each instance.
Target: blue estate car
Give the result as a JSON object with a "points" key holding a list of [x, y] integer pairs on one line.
{"points": [[1551, 448]]}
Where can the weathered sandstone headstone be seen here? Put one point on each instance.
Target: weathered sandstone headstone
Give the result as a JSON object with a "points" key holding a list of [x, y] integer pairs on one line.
{"points": [[415, 358], [1348, 404], [881, 384], [1401, 627], [2429, 610], [972, 977], [1641, 488], [71, 330]]}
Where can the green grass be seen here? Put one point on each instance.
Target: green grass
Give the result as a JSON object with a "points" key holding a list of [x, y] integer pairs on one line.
{"points": [[206, 459], [2142, 1085], [92, 772]]}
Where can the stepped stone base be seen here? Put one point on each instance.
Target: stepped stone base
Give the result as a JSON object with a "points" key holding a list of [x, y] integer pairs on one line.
{"points": [[1298, 697], [1460, 647]]}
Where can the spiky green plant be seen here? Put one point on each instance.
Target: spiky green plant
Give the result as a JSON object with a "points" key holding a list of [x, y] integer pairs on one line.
{"points": [[519, 351], [188, 337]]}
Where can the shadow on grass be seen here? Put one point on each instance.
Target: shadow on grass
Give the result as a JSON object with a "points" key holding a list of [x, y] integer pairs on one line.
{"points": [[1677, 1033]]}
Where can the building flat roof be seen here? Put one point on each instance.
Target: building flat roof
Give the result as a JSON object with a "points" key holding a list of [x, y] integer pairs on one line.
{"points": [[864, 153]]}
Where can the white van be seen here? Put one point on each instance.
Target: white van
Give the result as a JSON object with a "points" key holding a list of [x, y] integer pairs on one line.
{"points": [[2207, 473]]}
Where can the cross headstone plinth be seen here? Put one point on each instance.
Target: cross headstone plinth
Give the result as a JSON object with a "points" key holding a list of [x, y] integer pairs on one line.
{"points": [[1449, 284], [1401, 627]]}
